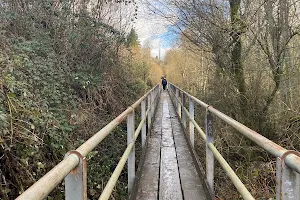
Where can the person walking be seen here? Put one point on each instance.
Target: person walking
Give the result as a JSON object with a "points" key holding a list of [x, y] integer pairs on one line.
{"points": [[164, 83]]}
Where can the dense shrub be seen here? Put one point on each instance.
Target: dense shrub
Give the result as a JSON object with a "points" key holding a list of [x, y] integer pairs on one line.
{"points": [[64, 73]]}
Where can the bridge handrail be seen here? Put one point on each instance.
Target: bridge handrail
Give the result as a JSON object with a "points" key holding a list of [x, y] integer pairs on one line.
{"points": [[115, 175], [291, 160], [232, 175], [49, 181], [287, 163]]}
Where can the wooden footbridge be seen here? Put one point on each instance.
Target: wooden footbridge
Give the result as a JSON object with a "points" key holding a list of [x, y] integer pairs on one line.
{"points": [[169, 168]]}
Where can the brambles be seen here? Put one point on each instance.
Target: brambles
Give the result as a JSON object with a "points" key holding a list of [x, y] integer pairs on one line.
{"points": [[64, 73]]}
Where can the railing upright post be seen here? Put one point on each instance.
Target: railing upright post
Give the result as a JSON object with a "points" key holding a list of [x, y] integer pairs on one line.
{"points": [[178, 103], [158, 90], [158, 94], [191, 125], [209, 153], [176, 100], [131, 158], [179, 108], [152, 103], [182, 110], [155, 96], [143, 111], [288, 181], [76, 180], [149, 113]]}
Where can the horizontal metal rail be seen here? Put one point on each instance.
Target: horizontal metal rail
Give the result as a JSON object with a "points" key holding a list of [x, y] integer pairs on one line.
{"points": [[48, 182], [291, 160], [287, 162], [234, 178]]}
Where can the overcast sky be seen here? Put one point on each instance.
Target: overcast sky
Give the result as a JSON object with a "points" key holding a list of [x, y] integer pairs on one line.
{"points": [[154, 32]]}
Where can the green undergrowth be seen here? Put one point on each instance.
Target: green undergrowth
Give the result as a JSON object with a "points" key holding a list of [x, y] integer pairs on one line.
{"points": [[56, 91]]}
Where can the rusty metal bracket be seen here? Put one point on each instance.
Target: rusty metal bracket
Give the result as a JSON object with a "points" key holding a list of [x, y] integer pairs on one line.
{"points": [[288, 181], [76, 180]]}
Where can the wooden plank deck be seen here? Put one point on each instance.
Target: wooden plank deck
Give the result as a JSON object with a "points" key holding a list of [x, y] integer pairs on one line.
{"points": [[168, 172]]}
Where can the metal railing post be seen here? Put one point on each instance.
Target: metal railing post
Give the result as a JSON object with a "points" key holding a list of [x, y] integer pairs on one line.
{"points": [[209, 153], [288, 181], [131, 158], [182, 110], [179, 105], [177, 95], [143, 111], [152, 101], [76, 180], [191, 125], [157, 92], [149, 113]]}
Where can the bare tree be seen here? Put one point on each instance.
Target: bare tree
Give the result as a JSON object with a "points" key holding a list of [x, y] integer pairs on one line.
{"points": [[275, 31]]}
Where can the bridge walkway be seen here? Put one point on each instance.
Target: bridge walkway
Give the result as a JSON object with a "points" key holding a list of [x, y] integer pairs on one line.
{"points": [[168, 171]]}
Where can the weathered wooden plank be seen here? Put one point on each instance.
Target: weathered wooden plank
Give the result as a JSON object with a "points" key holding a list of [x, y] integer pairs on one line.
{"points": [[193, 195], [169, 188], [149, 178], [169, 176], [147, 195], [153, 152], [190, 181]]}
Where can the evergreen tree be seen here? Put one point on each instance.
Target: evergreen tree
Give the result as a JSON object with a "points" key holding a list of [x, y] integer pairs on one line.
{"points": [[132, 39]]}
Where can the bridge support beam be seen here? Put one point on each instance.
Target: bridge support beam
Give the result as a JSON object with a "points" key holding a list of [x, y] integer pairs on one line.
{"points": [[288, 181], [131, 158], [191, 125], [209, 153]]}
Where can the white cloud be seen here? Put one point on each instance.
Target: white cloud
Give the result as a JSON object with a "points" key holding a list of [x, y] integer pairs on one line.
{"points": [[157, 50], [162, 52], [148, 28]]}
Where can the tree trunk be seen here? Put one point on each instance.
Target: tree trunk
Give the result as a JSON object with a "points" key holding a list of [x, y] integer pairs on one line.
{"points": [[278, 31], [236, 53]]}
